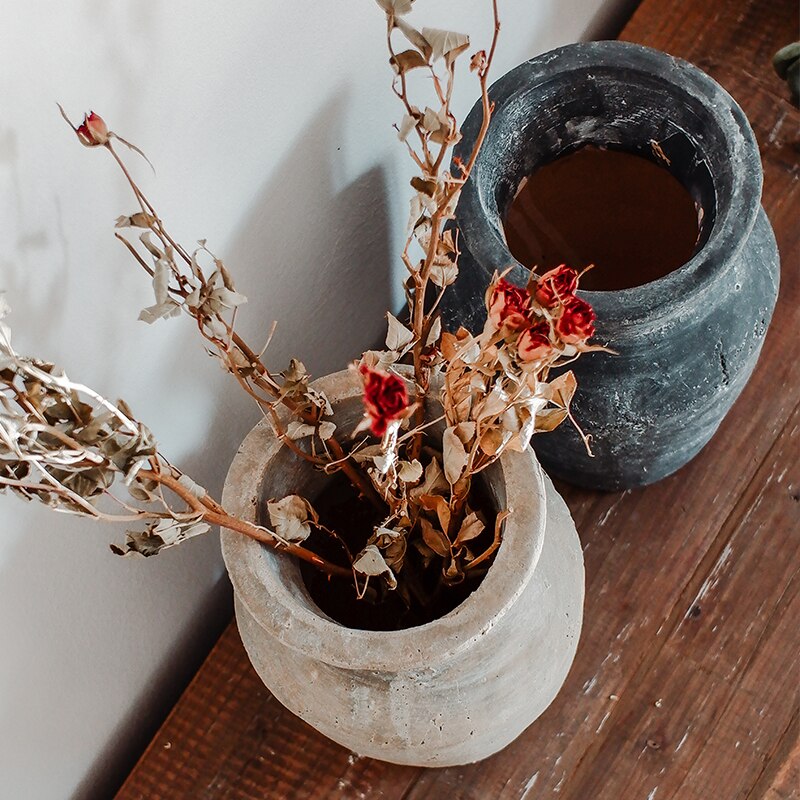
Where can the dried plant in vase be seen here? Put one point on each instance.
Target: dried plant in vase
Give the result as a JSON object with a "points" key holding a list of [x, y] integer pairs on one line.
{"points": [[413, 478]]}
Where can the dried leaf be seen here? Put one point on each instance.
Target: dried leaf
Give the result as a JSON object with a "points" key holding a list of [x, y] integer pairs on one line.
{"points": [[291, 517], [454, 454], [444, 272], [445, 44], [471, 527], [138, 220], [561, 389], [409, 471], [194, 488], [399, 336], [414, 36], [408, 59], [434, 333], [434, 538], [437, 504], [299, 430], [434, 481], [406, 126], [153, 313], [395, 6], [370, 561], [326, 430], [425, 186], [550, 419]]}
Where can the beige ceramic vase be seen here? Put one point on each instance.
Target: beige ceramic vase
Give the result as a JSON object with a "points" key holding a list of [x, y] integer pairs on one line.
{"points": [[449, 692]]}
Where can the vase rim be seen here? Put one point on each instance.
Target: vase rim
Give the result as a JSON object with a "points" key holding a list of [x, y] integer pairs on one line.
{"points": [[297, 623], [480, 215]]}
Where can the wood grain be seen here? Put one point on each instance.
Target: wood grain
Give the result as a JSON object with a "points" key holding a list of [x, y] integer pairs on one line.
{"points": [[685, 684]]}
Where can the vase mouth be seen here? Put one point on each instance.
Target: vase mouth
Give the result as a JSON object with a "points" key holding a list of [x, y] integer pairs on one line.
{"points": [[584, 94], [272, 589]]}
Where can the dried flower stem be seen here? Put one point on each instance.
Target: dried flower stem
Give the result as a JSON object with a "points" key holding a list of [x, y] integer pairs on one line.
{"points": [[214, 514]]}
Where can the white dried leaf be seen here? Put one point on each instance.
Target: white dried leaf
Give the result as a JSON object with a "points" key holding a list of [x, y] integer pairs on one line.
{"points": [[382, 462], [194, 488], [398, 336], [430, 120], [406, 126], [435, 332], [454, 454], [397, 7], [445, 44], [227, 298], [326, 430], [218, 331], [409, 471], [291, 517], [414, 36], [153, 313], [161, 276], [444, 273], [299, 430], [154, 251], [370, 561]]}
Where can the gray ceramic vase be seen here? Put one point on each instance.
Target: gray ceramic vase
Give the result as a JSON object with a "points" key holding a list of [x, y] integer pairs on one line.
{"points": [[449, 692], [687, 342]]}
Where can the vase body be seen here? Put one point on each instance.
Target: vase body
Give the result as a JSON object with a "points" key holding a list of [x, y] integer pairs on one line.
{"points": [[449, 692], [686, 343]]}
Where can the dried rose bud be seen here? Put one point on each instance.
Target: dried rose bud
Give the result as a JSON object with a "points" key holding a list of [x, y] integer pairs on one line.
{"points": [[555, 286], [93, 130], [508, 305], [385, 398], [534, 343], [576, 322]]}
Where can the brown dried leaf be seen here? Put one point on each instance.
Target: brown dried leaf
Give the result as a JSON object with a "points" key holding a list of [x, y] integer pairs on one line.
{"points": [[434, 538], [471, 527], [437, 504], [561, 389], [550, 419], [407, 60], [455, 455]]}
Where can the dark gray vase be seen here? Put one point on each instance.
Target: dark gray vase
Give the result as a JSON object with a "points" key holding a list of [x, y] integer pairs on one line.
{"points": [[687, 342]]}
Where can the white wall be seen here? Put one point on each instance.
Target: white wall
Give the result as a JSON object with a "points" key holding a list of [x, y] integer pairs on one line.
{"points": [[269, 124]]}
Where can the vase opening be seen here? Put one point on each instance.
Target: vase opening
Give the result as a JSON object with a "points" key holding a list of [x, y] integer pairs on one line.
{"points": [[408, 606], [626, 214]]}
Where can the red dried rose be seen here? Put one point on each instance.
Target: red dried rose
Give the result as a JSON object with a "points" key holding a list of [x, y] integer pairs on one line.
{"points": [[534, 342], [555, 286], [385, 398], [576, 322], [93, 130], [509, 305]]}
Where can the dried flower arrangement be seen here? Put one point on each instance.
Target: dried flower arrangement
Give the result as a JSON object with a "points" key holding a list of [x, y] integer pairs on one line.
{"points": [[63, 444]]}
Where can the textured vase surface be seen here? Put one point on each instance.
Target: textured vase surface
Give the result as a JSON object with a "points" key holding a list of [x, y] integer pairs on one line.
{"points": [[452, 691], [687, 342]]}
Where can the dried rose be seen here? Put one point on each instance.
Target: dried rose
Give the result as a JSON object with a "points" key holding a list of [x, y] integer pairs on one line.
{"points": [[385, 398], [93, 130], [534, 342], [576, 322], [555, 286], [508, 305]]}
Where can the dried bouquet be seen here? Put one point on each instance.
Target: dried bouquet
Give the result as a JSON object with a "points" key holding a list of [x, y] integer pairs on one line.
{"points": [[414, 476]]}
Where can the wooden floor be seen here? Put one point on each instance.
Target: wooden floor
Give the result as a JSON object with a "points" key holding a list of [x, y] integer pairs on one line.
{"points": [[686, 680]]}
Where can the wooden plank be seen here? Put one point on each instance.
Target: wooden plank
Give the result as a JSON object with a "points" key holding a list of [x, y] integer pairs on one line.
{"points": [[717, 536], [671, 732]]}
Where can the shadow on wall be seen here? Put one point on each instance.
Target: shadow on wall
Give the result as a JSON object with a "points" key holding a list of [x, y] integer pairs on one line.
{"points": [[329, 286], [328, 289]]}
